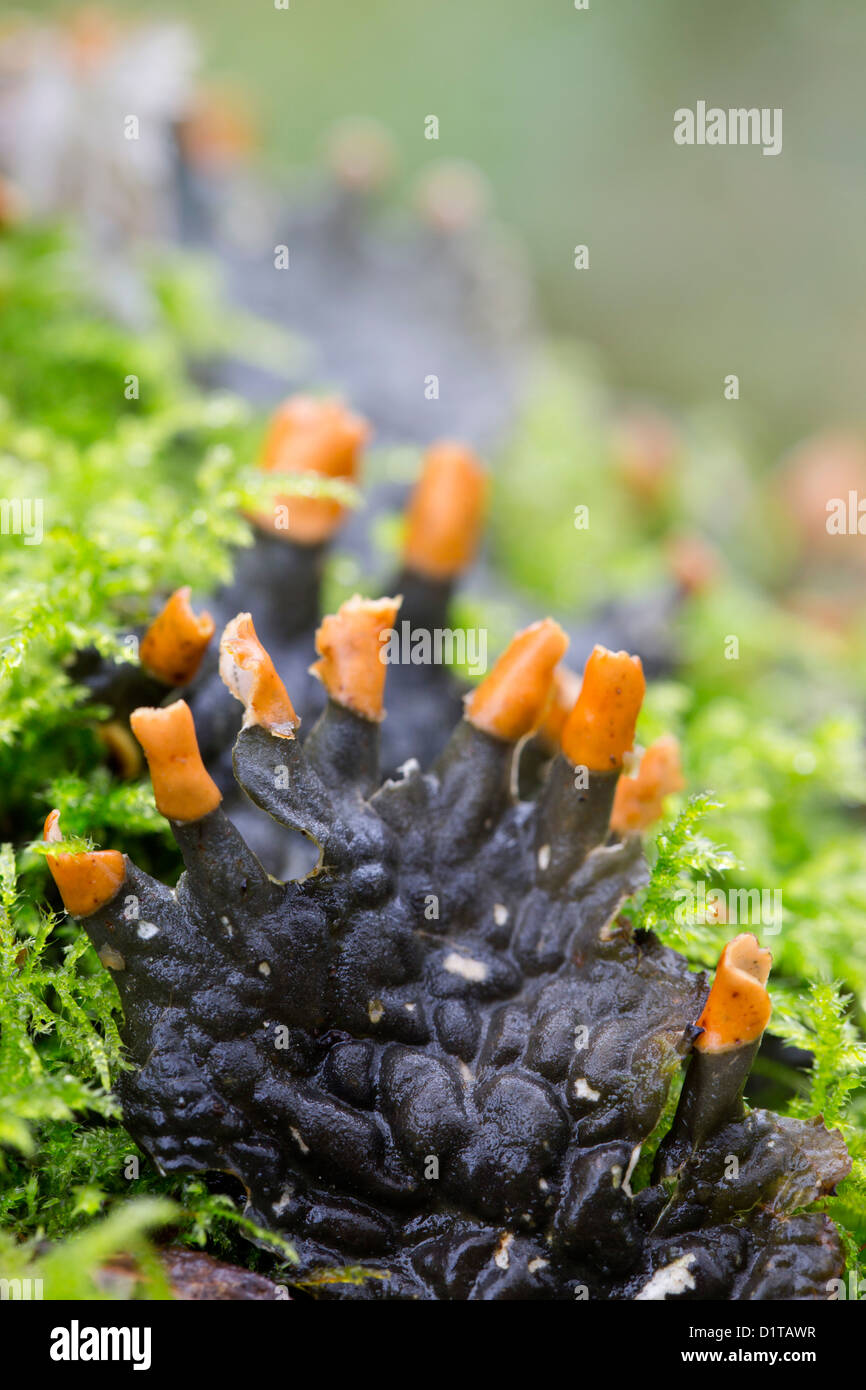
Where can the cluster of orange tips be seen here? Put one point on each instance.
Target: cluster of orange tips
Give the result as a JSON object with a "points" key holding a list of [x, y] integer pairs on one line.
{"points": [[526, 690], [321, 437]]}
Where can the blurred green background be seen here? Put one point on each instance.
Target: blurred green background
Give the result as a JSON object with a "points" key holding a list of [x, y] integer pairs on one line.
{"points": [[702, 261]]}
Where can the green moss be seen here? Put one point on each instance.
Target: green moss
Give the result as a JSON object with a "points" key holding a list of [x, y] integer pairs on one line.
{"points": [[139, 493]]}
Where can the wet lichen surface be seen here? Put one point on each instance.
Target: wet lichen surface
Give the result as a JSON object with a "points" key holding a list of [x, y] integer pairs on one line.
{"points": [[441, 1053]]}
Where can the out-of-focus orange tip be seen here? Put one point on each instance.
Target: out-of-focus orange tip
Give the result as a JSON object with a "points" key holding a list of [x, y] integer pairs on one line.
{"points": [[182, 787], [600, 729], [511, 700], [176, 641], [361, 154], [13, 204], [446, 512], [694, 563], [92, 32], [219, 130], [88, 880], [353, 659], [248, 672], [813, 489], [645, 447], [639, 800], [564, 690], [308, 435], [452, 196], [122, 748], [738, 1007]]}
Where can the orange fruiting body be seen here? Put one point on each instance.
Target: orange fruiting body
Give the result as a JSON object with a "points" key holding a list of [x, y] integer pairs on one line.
{"points": [[308, 435], [88, 880], [600, 729], [738, 1007], [176, 641], [248, 672], [693, 563], [564, 690], [639, 800], [445, 512], [219, 130], [352, 666], [511, 700], [182, 787]]}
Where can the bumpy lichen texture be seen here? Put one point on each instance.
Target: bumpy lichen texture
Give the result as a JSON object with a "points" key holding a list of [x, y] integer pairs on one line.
{"points": [[441, 1053]]}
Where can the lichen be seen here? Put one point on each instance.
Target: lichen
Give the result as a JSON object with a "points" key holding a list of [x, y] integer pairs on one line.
{"points": [[440, 1053]]}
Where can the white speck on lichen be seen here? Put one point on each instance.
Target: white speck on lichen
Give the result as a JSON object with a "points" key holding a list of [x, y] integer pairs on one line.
{"points": [[632, 1164], [146, 930], [616, 1174], [538, 1263], [673, 1279], [469, 969], [264, 968], [501, 1257], [285, 1198], [111, 958], [500, 914], [544, 857], [583, 1090], [296, 1135], [375, 1011]]}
